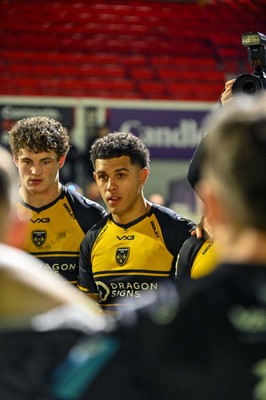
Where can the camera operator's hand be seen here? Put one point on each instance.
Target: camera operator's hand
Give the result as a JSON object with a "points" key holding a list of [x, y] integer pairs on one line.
{"points": [[204, 225], [227, 94]]}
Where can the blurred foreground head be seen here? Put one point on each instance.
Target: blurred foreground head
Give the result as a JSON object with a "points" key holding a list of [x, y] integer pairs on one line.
{"points": [[8, 191], [234, 166]]}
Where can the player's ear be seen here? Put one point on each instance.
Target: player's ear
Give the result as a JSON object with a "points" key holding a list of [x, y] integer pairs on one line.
{"points": [[62, 160], [143, 175], [15, 159], [212, 202]]}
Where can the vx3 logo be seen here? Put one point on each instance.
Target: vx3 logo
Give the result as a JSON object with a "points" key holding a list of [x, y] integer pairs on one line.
{"points": [[124, 237], [39, 220]]}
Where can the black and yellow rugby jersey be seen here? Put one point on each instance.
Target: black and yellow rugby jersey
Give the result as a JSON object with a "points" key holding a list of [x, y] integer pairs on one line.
{"points": [[56, 230], [197, 258], [123, 261]]}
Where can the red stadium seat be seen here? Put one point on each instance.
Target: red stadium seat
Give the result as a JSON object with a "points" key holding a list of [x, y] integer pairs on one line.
{"points": [[133, 48]]}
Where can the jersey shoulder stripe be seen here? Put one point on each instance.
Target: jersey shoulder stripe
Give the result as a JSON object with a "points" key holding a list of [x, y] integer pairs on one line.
{"points": [[87, 212]]}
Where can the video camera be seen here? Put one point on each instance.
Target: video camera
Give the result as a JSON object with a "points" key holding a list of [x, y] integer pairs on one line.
{"points": [[250, 84]]}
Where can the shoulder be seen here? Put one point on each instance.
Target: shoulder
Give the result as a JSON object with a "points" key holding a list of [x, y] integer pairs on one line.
{"points": [[186, 256], [92, 234], [197, 258], [191, 246], [77, 199], [170, 216], [97, 227], [84, 207], [87, 212], [205, 259], [175, 229], [169, 219]]}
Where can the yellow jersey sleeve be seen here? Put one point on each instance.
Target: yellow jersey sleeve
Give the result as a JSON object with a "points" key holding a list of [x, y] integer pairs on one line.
{"points": [[205, 260]]}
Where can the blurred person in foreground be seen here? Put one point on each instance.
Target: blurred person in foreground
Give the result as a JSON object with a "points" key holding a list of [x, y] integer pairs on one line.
{"points": [[210, 343], [57, 216], [134, 248], [41, 318]]}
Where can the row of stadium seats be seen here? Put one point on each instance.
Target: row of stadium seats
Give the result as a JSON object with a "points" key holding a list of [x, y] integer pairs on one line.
{"points": [[132, 49]]}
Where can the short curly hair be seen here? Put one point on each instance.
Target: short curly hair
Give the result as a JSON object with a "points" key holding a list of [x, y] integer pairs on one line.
{"points": [[118, 144], [39, 134]]}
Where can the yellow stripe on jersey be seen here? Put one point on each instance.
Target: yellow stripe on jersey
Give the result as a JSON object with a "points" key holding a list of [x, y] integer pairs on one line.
{"points": [[205, 261]]}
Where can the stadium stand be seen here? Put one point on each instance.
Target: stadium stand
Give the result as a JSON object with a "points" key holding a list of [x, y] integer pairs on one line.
{"points": [[124, 49]]}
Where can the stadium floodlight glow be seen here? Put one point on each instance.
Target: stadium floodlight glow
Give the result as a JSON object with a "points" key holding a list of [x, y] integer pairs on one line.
{"points": [[253, 39]]}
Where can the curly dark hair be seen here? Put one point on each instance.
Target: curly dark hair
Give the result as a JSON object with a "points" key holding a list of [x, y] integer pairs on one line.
{"points": [[118, 144], [39, 134]]}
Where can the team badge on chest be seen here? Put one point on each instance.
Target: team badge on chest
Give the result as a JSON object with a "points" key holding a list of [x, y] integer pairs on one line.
{"points": [[122, 255], [38, 238]]}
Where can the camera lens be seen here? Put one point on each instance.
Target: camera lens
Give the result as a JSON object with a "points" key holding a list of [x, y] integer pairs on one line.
{"points": [[248, 84]]}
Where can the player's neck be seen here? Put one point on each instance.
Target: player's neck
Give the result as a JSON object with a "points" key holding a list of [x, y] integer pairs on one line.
{"points": [[137, 211], [40, 199], [248, 246]]}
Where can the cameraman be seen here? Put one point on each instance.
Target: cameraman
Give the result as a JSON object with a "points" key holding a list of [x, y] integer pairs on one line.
{"points": [[198, 254]]}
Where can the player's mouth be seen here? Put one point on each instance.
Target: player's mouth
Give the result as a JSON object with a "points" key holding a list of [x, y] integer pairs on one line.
{"points": [[35, 182], [113, 201]]}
